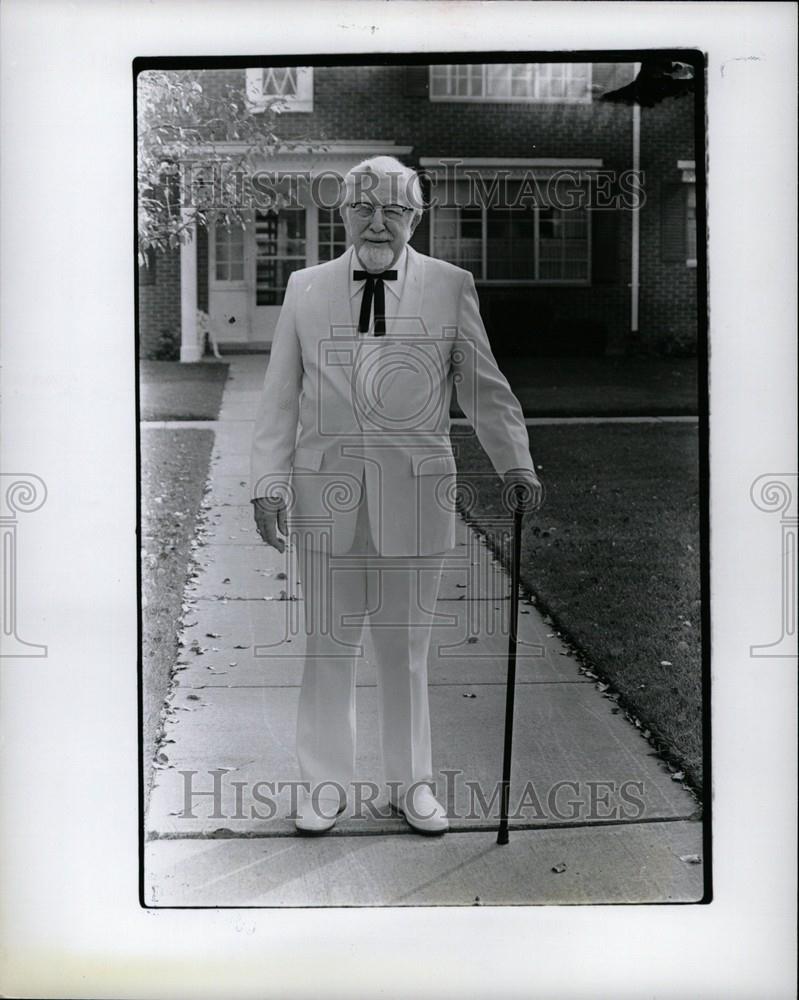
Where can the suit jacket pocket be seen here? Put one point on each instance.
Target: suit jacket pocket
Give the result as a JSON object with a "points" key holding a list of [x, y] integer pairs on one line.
{"points": [[308, 458], [433, 465]]}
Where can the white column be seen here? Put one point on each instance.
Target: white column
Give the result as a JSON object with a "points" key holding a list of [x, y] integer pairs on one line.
{"points": [[190, 347]]}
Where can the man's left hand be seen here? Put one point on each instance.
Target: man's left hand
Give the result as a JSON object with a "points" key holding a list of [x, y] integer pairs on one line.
{"points": [[531, 491]]}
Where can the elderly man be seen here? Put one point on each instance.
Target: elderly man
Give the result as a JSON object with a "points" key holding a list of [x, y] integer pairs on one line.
{"points": [[352, 440]]}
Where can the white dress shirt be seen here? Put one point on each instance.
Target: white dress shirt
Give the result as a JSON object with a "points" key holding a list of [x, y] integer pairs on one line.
{"points": [[393, 291]]}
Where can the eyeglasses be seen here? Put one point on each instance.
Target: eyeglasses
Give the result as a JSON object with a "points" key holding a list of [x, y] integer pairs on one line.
{"points": [[393, 213]]}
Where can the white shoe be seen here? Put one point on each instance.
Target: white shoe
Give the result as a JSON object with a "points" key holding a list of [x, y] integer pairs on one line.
{"points": [[424, 813], [317, 815]]}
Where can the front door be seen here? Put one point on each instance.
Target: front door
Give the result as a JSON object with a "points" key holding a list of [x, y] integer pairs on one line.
{"points": [[228, 285]]}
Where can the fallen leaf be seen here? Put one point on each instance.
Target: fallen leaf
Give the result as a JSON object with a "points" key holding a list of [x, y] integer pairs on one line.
{"points": [[559, 868]]}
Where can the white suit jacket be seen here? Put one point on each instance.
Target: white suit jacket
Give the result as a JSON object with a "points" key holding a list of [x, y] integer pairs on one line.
{"points": [[343, 413]]}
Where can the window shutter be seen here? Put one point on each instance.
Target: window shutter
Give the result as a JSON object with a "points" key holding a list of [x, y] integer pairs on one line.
{"points": [[604, 246], [672, 222], [202, 268], [416, 81]]}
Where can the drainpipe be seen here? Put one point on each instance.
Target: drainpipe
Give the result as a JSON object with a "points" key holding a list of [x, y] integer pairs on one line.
{"points": [[636, 232]]}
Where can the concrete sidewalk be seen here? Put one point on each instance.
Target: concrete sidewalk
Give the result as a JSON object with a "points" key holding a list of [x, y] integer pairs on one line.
{"points": [[598, 816]]}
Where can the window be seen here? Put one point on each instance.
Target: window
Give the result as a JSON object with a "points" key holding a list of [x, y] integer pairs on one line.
{"points": [[332, 237], [229, 253], [554, 82], [293, 85], [279, 250], [563, 245], [459, 237], [528, 243]]}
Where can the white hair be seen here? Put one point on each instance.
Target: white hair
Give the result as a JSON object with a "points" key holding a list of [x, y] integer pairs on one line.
{"points": [[407, 180]]}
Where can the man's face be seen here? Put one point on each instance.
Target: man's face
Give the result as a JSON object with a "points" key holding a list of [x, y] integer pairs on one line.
{"points": [[379, 219]]}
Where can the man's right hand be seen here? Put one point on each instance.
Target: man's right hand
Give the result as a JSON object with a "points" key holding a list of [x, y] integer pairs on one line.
{"points": [[270, 521]]}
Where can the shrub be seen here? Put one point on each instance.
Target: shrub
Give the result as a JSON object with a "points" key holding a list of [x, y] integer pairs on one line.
{"points": [[675, 343], [167, 346]]}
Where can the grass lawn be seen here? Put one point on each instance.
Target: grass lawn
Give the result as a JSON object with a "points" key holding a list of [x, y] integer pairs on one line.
{"points": [[613, 556], [174, 391], [545, 387], [594, 387], [174, 466]]}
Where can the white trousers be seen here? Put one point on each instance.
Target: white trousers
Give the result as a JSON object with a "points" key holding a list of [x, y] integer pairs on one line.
{"points": [[397, 596]]}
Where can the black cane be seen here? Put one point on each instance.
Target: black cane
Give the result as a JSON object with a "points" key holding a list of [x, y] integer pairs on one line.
{"points": [[502, 835]]}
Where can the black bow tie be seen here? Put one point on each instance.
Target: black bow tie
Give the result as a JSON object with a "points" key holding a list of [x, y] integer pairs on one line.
{"points": [[374, 288]]}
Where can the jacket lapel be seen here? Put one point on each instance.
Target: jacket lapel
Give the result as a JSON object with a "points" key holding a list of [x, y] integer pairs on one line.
{"points": [[338, 296], [409, 308]]}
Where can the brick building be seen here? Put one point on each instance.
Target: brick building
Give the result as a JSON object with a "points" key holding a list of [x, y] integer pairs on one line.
{"points": [[532, 182]]}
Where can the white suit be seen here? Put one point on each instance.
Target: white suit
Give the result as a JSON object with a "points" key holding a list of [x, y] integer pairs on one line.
{"points": [[355, 430]]}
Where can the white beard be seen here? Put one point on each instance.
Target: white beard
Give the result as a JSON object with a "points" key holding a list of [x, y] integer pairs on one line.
{"points": [[375, 258]]}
